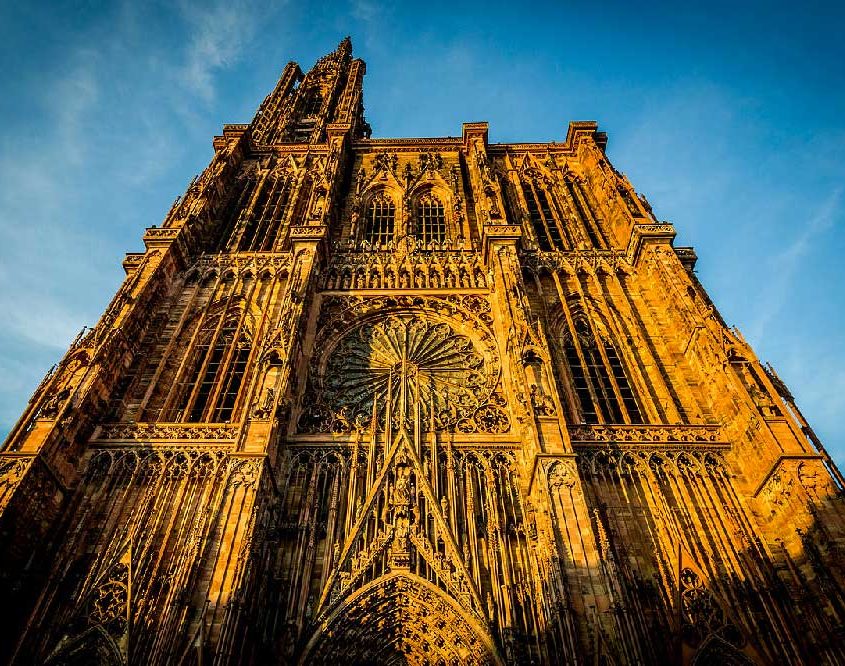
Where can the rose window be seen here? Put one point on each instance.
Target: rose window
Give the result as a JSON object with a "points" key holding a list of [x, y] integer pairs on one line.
{"points": [[411, 368]]}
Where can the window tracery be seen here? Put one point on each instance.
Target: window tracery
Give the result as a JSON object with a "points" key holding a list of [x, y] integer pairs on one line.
{"points": [[208, 387], [548, 228], [397, 370], [243, 191], [261, 230], [313, 102], [578, 196], [599, 382], [402, 363], [380, 222], [431, 219]]}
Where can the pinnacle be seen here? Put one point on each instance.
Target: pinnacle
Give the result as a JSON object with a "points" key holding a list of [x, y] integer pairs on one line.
{"points": [[345, 46]]}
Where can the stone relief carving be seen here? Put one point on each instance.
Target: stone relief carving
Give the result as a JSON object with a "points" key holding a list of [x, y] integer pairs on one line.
{"points": [[703, 618], [645, 433], [166, 431], [401, 368], [561, 474], [413, 267], [12, 471], [109, 605], [805, 481], [176, 462], [635, 459]]}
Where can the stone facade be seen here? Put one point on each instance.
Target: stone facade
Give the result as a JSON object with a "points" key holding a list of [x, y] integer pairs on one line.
{"points": [[426, 400]]}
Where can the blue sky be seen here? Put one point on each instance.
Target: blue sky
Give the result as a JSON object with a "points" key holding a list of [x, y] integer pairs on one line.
{"points": [[729, 117]]}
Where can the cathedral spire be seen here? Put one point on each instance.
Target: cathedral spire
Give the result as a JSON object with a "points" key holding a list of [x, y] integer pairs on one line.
{"points": [[423, 400], [340, 56], [302, 105], [344, 48]]}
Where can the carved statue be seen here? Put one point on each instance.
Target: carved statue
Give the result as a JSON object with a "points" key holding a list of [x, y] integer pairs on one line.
{"points": [[266, 407], [401, 489], [543, 404], [319, 204]]}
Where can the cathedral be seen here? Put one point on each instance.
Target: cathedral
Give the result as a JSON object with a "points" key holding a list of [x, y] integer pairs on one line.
{"points": [[420, 400]]}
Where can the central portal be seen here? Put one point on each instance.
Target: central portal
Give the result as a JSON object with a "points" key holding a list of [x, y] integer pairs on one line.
{"points": [[400, 619]]}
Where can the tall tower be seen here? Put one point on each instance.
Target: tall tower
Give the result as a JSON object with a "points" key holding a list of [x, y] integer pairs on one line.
{"points": [[426, 400]]}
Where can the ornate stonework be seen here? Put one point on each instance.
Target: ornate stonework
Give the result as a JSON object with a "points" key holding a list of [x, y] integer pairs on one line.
{"points": [[426, 401], [401, 368]]}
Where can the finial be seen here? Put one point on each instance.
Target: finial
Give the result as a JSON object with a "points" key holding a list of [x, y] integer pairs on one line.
{"points": [[345, 46]]}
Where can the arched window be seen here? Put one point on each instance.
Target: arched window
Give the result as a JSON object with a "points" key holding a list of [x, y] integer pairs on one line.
{"points": [[211, 379], [380, 220], [577, 194], [313, 102], [262, 229], [431, 219], [242, 191], [598, 378], [547, 229]]}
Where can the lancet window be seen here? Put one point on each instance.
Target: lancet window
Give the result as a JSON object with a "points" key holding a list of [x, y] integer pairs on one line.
{"points": [[599, 382], [548, 230], [578, 197], [262, 228], [211, 379], [313, 103], [244, 189], [431, 219], [380, 222]]}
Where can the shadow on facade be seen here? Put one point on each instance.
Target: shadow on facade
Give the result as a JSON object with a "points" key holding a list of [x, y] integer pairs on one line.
{"points": [[660, 562]]}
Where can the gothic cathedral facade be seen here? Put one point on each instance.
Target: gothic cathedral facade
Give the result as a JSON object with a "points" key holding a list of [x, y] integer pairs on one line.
{"points": [[427, 401]]}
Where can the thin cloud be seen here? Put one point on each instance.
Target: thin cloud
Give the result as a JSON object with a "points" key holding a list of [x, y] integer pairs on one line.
{"points": [[219, 34], [74, 97], [370, 19], [788, 262], [36, 204], [72, 196]]}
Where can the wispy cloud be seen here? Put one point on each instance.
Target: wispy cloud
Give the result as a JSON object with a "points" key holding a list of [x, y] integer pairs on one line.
{"points": [[74, 96], [218, 34], [116, 113], [823, 220], [370, 20], [787, 262], [36, 208], [366, 11]]}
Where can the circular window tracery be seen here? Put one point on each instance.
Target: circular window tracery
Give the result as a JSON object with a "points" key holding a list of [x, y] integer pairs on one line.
{"points": [[410, 367]]}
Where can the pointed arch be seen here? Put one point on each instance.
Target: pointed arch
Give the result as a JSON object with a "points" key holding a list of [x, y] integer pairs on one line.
{"points": [[396, 619], [549, 230], [91, 646], [312, 101], [600, 389], [548, 224], [260, 229], [379, 227], [209, 383], [430, 218]]}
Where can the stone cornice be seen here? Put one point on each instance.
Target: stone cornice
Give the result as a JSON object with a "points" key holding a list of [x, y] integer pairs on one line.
{"points": [[687, 256], [166, 432], [641, 234], [624, 434]]}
